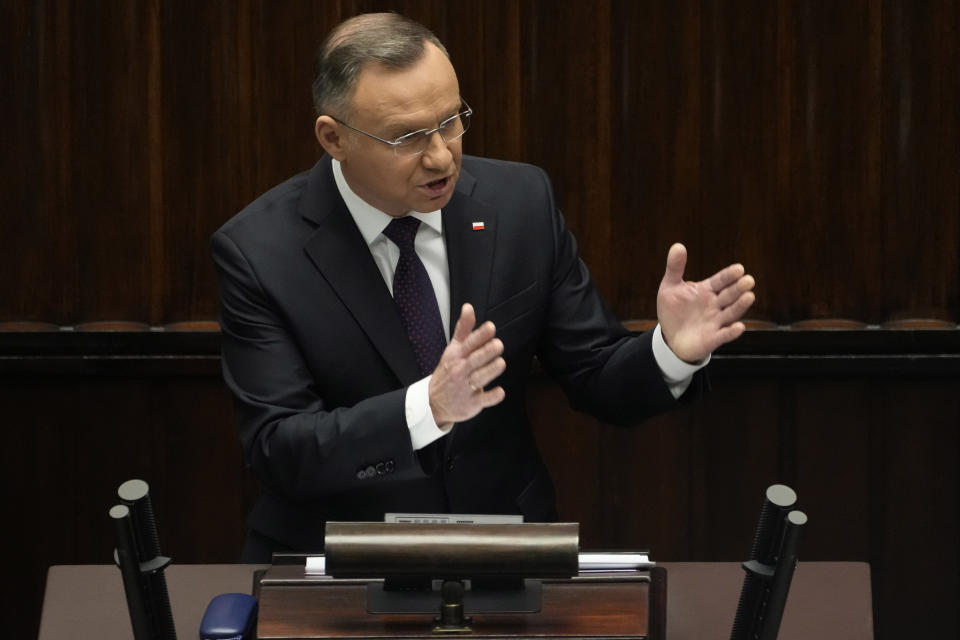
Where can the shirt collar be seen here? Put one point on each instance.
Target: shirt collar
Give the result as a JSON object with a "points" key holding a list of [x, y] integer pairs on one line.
{"points": [[370, 220]]}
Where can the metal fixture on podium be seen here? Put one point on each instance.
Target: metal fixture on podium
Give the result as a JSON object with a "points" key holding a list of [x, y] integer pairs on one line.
{"points": [[498, 566], [452, 619]]}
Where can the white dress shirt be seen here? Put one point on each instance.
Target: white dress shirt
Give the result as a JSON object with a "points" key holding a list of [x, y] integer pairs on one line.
{"points": [[432, 250]]}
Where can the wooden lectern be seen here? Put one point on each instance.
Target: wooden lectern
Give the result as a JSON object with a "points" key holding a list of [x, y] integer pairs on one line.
{"points": [[406, 580], [632, 606]]}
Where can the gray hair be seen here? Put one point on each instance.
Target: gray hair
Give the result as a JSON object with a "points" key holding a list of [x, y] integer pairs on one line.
{"points": [[388, 39]]}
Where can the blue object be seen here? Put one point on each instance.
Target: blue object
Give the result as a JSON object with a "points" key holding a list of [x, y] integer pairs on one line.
{"points": [[230, 616]]}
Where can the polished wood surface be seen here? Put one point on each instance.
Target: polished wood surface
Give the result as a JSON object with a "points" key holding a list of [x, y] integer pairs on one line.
{"points": [[618, 610]]}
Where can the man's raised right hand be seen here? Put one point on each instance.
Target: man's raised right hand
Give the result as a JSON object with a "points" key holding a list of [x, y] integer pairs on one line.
{"points": [[470, 362]]}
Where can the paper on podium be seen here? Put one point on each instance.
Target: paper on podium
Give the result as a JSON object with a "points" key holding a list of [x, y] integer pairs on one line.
{"points": [[316, 566], [606, 562]]}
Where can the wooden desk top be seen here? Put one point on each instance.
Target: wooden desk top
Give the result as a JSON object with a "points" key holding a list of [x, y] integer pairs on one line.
{"points": [[827, 600]]}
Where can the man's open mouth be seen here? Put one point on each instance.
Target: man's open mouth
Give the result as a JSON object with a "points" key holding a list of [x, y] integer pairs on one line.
{"points": [[438, 186]]}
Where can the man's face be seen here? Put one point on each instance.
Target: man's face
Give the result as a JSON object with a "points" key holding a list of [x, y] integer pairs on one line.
{"points": [[389, 104]]}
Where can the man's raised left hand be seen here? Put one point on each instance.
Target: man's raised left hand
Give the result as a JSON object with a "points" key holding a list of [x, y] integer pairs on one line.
{"points": [[698, 317]]}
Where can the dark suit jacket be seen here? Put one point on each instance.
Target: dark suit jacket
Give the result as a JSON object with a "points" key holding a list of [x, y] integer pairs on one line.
{"points": [[318, 361]]}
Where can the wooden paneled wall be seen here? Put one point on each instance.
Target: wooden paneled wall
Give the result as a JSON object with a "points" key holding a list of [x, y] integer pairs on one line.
{"points": [[817, 142]]}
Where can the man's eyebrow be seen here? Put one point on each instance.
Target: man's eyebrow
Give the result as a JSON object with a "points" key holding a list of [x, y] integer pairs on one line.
{"points": [[457, 109], [405, 126], [402, 126]]}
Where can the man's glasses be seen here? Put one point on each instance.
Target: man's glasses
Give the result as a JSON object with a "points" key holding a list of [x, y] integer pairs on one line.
{"points": [[415, 143]]}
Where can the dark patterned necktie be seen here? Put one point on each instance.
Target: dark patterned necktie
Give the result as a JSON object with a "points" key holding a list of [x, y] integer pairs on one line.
{"points": [[414, 296]]}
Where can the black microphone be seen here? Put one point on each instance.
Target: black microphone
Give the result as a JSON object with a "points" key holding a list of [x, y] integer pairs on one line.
{"points": [[782, 575], [126, 556], [135, 494], [777, 501]]}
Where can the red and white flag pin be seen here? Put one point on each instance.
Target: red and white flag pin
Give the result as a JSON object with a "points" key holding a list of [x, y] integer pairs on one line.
{"points": [[478, 226]]}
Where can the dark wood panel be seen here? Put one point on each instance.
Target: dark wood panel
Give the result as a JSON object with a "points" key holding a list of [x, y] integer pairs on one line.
{"points": [[816, 142], [78, 248], [278, 69], [205, 111], [570, 443], [742, 212], [833, 113], [484, 40], [834, 475], [23, 167], [916, 558], [567, 118], [919, 220], [110, 176], [648, 476], [737, 455], [571, 611], [656, 136]]}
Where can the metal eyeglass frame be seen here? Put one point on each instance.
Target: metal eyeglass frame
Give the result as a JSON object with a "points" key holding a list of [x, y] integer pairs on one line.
{"points": [[426, 133]]}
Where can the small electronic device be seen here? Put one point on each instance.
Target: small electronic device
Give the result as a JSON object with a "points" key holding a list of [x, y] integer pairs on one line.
{"points": [[230, 616]]}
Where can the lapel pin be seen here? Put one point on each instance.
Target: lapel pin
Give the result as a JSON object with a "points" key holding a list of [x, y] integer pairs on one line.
{"points": [[478, 226]]}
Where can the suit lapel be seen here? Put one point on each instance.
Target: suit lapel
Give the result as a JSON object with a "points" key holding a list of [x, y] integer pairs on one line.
{"points": [[338, 250], [470, 229]]}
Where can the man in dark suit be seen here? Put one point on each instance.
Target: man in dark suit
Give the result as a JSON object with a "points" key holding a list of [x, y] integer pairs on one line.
{"points": [[380, 312]]}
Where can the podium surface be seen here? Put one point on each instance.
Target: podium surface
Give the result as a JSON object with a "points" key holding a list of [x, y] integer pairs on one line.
{"points": [[625, 606], [827, 600]]}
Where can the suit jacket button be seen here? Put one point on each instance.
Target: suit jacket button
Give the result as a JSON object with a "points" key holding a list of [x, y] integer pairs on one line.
{"points": [[361, 475], [371, 471], [450, 463]]}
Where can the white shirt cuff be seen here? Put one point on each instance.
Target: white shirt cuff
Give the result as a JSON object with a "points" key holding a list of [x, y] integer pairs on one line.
{"points": [[676, 373], [423, 428]]}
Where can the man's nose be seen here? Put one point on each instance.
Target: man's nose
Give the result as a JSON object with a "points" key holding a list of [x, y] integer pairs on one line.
{"points": [[437, 154]]}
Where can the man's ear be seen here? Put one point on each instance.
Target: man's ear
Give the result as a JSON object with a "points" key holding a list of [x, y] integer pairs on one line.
{"points": [[328, 135]]}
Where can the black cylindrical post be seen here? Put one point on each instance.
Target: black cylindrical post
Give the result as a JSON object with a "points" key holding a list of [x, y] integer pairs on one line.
{"points": [[782, 575], [127, 558], [136, 495], [777, 501]]}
